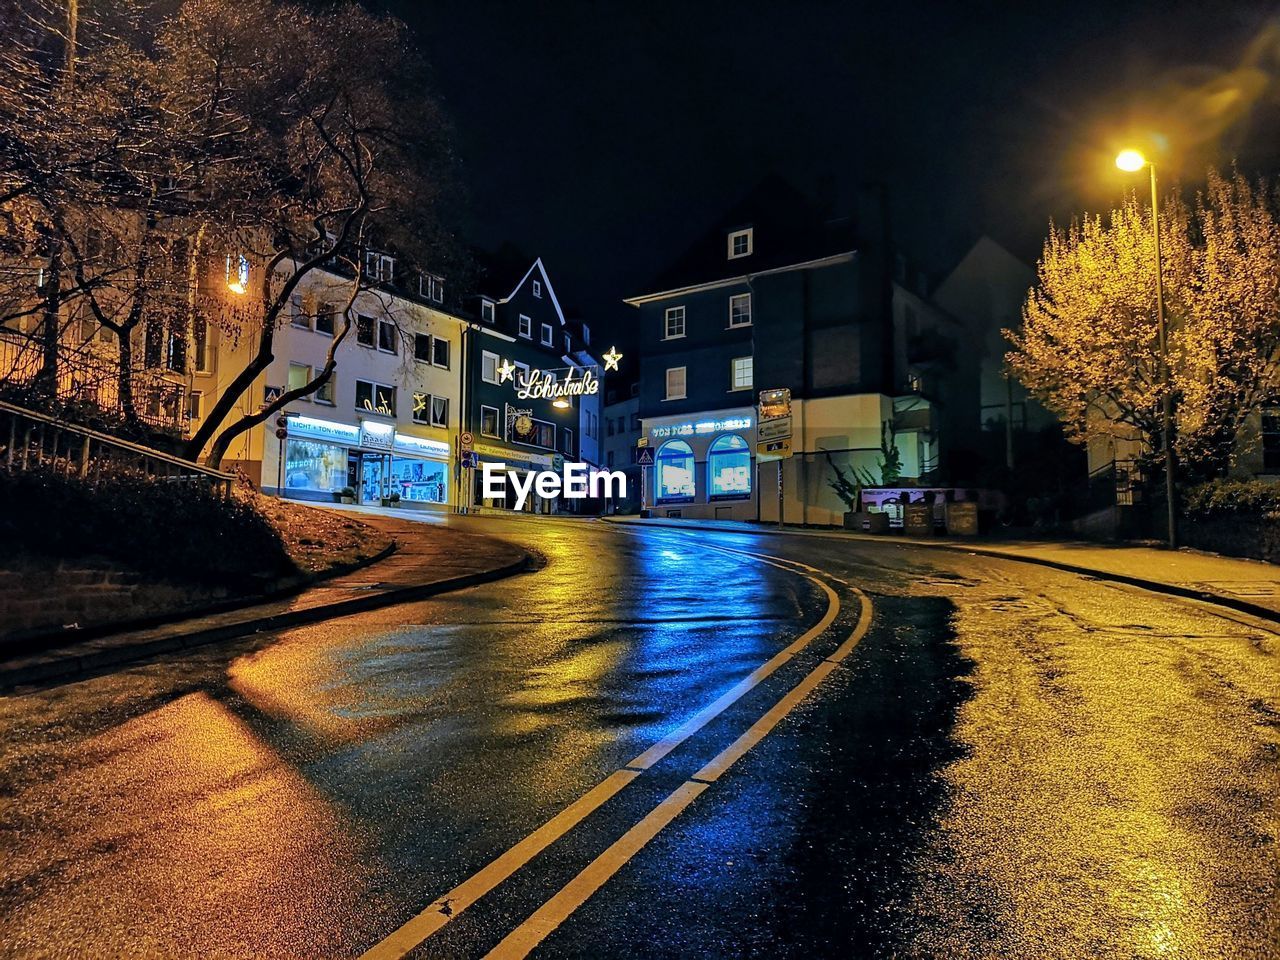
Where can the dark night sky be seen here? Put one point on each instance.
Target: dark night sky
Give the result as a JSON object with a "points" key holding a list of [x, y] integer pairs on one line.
{"points": [[604, 137]]}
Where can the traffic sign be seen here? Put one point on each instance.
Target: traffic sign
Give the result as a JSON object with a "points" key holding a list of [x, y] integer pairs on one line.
{"points": [[465, 440], [645, 457], [775, 404], [282, 432], [642, 442], [773, 449], [778, 429], [470, 459]]}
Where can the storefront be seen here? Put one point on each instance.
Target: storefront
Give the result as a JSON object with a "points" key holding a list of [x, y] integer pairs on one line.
{"points": [[373, 458], [518, 461], [703, 466]]}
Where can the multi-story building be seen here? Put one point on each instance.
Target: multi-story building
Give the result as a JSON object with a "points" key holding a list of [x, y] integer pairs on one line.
{"points": [[621, 437], [774, 296], [385, 424], [531, 385]]}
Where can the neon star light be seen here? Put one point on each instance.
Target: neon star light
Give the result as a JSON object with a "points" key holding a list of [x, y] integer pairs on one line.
{"points": [[611, 359], [506, 371]]}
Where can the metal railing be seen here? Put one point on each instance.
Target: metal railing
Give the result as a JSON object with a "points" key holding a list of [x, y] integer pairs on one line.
{"points": [[1115, 484], [30, 440]]}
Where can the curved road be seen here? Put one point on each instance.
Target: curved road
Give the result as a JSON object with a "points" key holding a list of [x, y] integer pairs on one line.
{"points": [[668, 743]]}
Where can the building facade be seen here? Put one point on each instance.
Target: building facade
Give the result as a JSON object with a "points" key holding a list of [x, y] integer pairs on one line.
{"points": [[773, 297], [621, 435], [531, 385]]}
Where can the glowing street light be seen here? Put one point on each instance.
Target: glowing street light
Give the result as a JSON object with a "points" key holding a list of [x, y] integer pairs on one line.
{"points": [[1131, 161], [237, 274]]}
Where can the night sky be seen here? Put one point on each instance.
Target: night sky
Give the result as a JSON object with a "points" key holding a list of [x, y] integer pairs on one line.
{"points": [[605, 137]]}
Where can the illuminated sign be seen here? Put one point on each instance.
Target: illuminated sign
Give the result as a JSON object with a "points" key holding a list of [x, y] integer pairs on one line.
{"points": [[700, 427], [421, 445], [543, 385], [380, 436], [323, 430]]}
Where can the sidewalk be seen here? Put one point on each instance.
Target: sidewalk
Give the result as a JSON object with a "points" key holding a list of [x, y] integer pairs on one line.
{"points": [[1250, 586], [429, 559]]}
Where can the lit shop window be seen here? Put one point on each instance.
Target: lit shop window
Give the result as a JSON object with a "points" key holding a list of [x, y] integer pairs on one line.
{"points": [[729, 468], [675, 472], [422, 481]]}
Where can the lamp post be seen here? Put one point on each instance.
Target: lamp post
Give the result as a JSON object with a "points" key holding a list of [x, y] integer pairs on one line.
{"points": [[1132, 161]]}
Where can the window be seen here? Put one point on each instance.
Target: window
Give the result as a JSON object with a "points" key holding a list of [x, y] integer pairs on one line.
{"points": [[422, 347], [608, 425], [741, 243], [526, 327], [431, 287], [740, 378], [635, 422], [175, 352], [439, 411], [486, 311], [309, 465], [489, 422], [422, 408], [425, 481], [489, 367], [324, 392], [586, 335], [729, 468], [522, 373], [440, 352], [740, 310], [567, 439], [194, 403], [386, 336], [675, 323], [324, 318], [548, 335], [200, 344], [299, 376], [608, 459], [675, 383], [568, 344], [376, 398], [298, 312], [674, 467], [364, 330], [379, 266], [537, 289]]}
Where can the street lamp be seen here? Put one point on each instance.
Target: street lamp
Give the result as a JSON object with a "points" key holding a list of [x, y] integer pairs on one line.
{"points": [[1131, 161]]}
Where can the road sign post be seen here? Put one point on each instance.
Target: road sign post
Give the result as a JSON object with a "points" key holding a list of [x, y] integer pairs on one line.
{"points": [[644, 457], [773, 433]]}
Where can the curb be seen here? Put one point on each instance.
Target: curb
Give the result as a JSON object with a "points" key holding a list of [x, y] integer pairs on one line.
{"points": [[91, 663], [284, 588], [1155, 586]]}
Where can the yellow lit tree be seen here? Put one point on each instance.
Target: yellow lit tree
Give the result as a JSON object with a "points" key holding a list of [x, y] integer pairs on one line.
{"points": [[1089, 349]]}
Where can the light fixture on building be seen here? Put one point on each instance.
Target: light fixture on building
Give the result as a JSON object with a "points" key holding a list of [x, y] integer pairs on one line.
{"points": [[560, 403]]}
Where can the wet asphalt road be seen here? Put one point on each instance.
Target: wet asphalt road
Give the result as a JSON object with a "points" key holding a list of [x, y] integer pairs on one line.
{"points": [[1013, 762]]}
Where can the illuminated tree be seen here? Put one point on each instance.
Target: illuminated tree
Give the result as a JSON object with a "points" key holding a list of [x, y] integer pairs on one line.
{"points": [[1088, 347]]}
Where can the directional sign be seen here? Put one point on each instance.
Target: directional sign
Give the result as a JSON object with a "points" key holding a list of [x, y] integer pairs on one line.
{"points": [[775, 403], [465, 440], [773, 449], [469, 458], [778, 429], [644, 456]]}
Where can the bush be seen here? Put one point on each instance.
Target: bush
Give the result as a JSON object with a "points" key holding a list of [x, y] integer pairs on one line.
{"points": [[1234, 498], [172, 527]]}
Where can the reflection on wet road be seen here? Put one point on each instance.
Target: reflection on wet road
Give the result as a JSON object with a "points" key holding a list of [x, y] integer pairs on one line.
{"points": [[1014, 762]]}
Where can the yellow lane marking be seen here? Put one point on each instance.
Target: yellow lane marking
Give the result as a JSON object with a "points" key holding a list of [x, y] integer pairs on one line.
{"points": [[445, 908], [543, 921]]}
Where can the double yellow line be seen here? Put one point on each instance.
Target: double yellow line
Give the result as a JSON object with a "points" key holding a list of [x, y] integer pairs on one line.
{"points": [[553, 912]]}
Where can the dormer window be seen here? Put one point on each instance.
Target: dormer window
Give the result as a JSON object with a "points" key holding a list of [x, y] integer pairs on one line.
{"points": [[431, 288], [378, 267], [537, 289], [486, 311], [741, 243]]}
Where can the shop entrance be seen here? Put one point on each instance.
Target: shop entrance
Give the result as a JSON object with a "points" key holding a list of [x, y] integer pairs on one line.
{"points": [[371, 477]]}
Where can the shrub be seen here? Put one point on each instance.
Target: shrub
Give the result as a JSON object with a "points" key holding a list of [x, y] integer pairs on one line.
{"points": [[171, 527], [1234, 498]]}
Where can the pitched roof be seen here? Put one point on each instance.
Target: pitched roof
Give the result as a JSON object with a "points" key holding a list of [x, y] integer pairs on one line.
{"points": [[786, 230]]}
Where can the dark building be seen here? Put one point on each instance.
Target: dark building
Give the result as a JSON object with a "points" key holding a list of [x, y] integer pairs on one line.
{"points": [[775, 295], [529, 380]]}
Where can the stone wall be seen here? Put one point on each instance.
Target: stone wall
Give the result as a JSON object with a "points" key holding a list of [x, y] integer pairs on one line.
{"points": [[40, 597], [1241, 536]]}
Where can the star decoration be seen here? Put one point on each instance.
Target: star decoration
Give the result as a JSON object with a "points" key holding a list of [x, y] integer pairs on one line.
{"points": [[611, 359], [506, 371]]}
